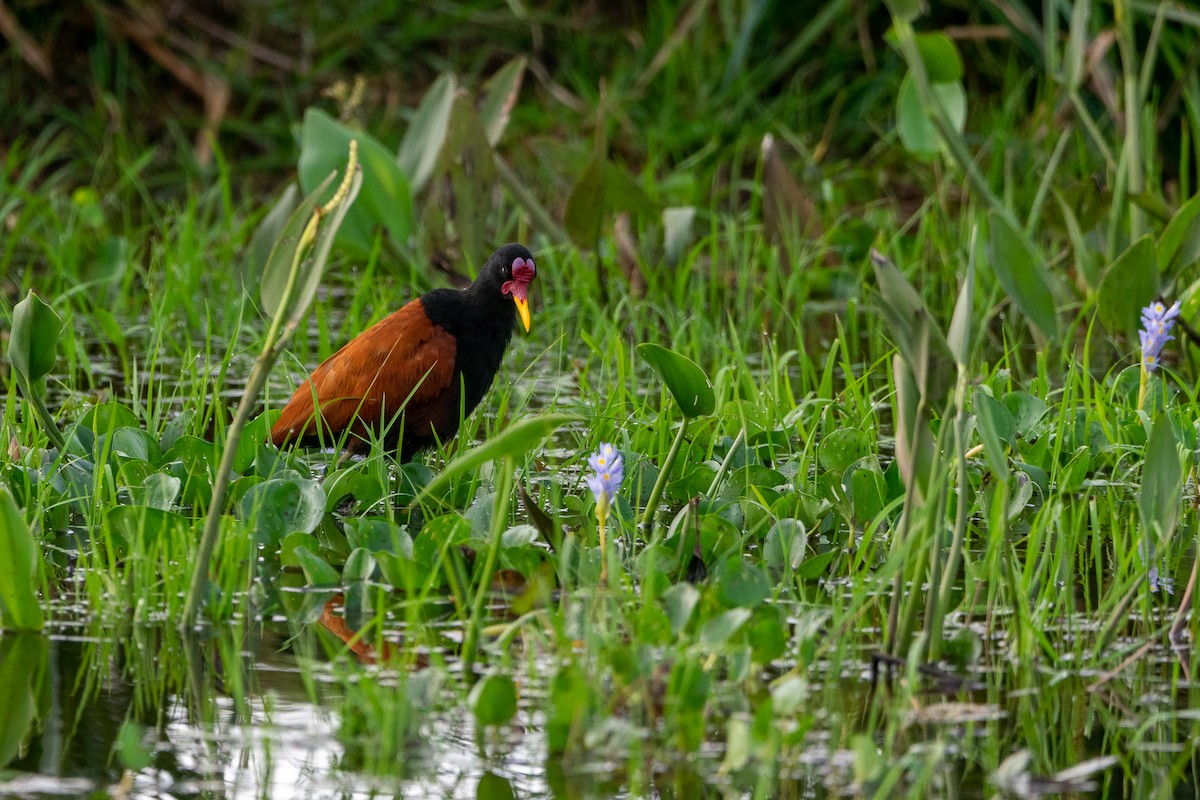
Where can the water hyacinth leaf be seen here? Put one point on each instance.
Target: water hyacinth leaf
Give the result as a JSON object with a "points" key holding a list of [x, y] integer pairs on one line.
{"points": [[1129, 284], [132, 749], [680, 601], [1027, 411], [107, 418], [914, 121], [785, 544], [997, 428], [720, 628], [271, 229], [584, 214], [493, 700], [254, 434], [125, 444], [378, 535], [768, 634], [313, 267], [351, 483], [277, 266], [516, 441], [386, 198], [422, 142], [19, 607], [293, 541], [1179, 245], [499, 96], [33, 340], [868, 491], [685, 380], [518, 536], [317, 571], [677, 231], [177, 427], [23, 660], [741, 583], [356, 574], [943, 64], [843, 447], [281, 506], [143, 524], [1160, 499], [1023, 277], [468, 160], [816, 566]]}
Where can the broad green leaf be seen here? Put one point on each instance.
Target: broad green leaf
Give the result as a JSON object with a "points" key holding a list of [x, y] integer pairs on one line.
{"points": [[386, 198], [996, 426], [741, 583], [317, 571], [914, 122], [516, 441], [680, 601], [133, 751], [157, 490], [499, 96], [271, 228], [144, 524], [33, 340], [684, 379], [422, 143], [129, 443], [356, 576], [718, 629], [813, 568], [493, 700], [1160, 500], [468, 160], [843, 447], [19, 607], [313, 267], [786, 544], [343, 483], [1022, 275], [1179, 245], [280, 506], [1129, 284], [23, 660], [677, 231], [938, 52], [868, 490], [584, 214], [277, 267]]}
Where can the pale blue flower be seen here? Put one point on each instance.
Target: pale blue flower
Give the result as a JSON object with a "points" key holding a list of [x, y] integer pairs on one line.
{"points": [[608, 473], [1157, 321]]}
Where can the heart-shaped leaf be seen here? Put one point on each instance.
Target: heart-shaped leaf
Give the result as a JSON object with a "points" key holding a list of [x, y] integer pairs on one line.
{"points": [[33, 341], [19, 607], [686, 382]]}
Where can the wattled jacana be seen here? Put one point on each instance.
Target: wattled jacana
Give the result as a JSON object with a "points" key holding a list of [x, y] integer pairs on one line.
{"points": [[411, 375]]}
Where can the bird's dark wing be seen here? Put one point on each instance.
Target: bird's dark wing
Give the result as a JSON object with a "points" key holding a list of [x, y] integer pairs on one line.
{"points": [[403, 357]]}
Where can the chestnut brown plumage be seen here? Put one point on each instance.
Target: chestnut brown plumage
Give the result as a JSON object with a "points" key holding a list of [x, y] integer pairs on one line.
{"points": [[411, 375]]}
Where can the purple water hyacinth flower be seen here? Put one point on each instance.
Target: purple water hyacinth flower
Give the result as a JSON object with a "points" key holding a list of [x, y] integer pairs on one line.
{"points": [[609, 471], [1157, 321]]}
